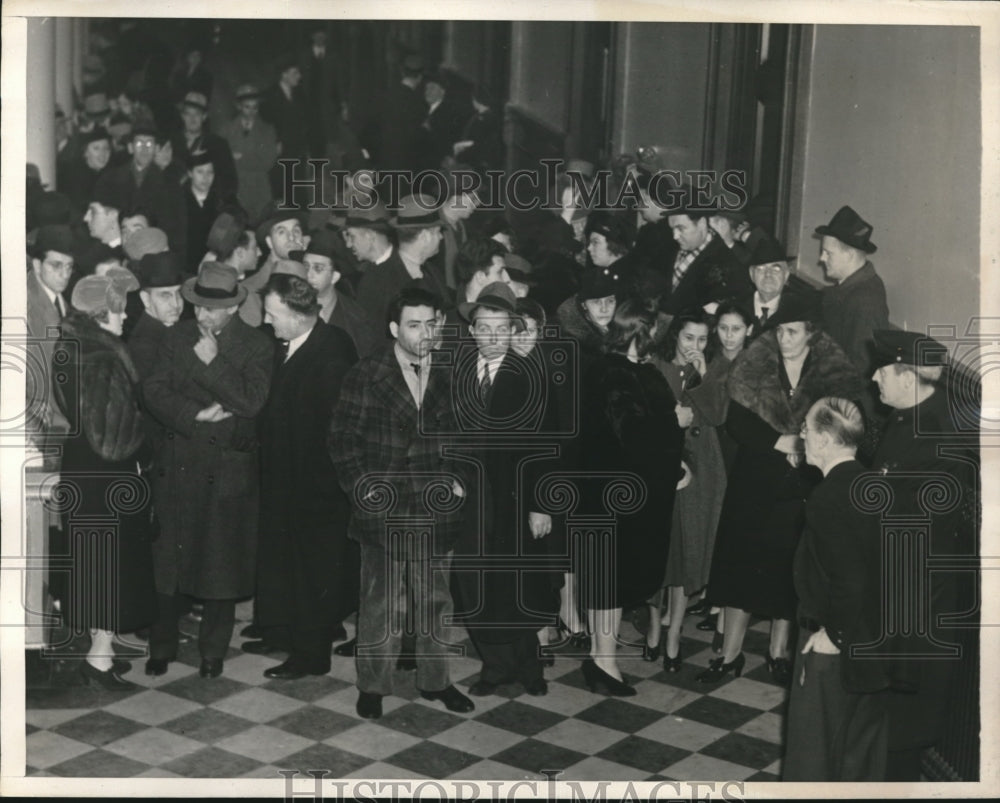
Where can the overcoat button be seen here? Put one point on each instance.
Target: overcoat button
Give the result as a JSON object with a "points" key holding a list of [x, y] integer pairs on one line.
{"points": [[211, 441]]}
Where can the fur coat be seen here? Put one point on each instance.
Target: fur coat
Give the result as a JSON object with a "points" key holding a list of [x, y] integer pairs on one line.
{"points": [[755, 381]]}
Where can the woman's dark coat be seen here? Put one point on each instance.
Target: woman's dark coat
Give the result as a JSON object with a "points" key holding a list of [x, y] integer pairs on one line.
{"points": [[106, 504], [762, 515]]}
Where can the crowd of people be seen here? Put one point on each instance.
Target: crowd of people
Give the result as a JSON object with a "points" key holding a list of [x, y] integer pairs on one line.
{"points": [[363, 411]]}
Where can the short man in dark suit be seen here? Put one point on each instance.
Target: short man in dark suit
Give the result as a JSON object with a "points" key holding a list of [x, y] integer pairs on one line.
{"points": [[307, 569], [837, 720], [704, 270], [855, 306], [393, 419], [209, 385]]}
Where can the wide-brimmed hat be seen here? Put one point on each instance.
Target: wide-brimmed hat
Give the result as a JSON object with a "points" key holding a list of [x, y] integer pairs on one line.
{"points": [[160, 270], [417, 212], [215, 286], [323, 243], [496, 295], [273, 216], [908, 348], [518, 268], [767, 252], [377, 217], [96, 105], [150, 240], [797, 307], [54, 237], [851, 229], [195, 99]]}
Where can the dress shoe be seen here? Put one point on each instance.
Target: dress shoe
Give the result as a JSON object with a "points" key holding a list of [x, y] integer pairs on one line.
{"points": [[537, 687], [672, 664], [369, 705], [452, 698], [700, 608], [210, 667], [250, 631], [780, 669], [260, 648], [347, 649], [121, 666], [650, 653], [596, 678], [483, 688], [718, 669], [108, 679], [709, 622], [156, 666], [407, 663], [293, 669]]}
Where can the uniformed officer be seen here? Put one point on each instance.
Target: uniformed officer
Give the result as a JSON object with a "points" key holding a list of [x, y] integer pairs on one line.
{"points": [[936, 490]]}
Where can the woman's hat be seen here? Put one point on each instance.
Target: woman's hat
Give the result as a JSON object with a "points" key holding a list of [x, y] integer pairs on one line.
{"points": [[851, 229], [215, 286], [97, 294], [150, 240], [496, 295], [598, 283], [797, 307], [614, 228]]}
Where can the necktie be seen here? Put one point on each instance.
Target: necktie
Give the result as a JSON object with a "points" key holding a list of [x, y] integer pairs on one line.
{"points": [[763, 315], [416, 368], [284, 350], [59, 307], [485, 384]]}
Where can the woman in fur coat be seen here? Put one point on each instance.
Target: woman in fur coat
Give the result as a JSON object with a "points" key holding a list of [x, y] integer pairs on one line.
{"points": [[771, 388], [105, 501]]}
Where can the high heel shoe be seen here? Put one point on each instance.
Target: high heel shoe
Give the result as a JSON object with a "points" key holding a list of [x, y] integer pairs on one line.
{"points": [[718, 669], [780, 669], [109, 679], [650, 653], [595, 678], [672, 665]]}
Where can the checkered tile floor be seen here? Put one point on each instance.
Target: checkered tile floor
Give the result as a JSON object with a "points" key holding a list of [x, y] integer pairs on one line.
{"points": [[243, 725]]}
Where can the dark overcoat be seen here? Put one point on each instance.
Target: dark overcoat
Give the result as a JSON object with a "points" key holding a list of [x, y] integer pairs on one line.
{"points": [[628, 424], [932, 472], [380, 284], [207, 483], [378, 436], [303, 548], [106, 503], [158, 195], [511, 452], [852, 311], [762, 514]]}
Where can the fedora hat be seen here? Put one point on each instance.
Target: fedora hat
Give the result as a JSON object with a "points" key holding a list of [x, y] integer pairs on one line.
{"points": [[196, 100], [160, 270], [851, 229], [323, 243], [273, 216], [56, 237], [377, 217], [768, 252], [215, 286], [96, 105], [496, 295], [417, 212], [247, 92]]}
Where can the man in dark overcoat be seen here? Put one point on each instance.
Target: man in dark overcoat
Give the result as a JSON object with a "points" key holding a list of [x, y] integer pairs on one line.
{"points": [[387, 439], [307, 568], [855, 306], [497, 398], [209, 385], [837, 720], [931, 468]]}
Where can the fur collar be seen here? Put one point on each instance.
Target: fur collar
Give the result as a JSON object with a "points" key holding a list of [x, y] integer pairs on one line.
{"points": [[95, 342], [574, 325], [754, 381]]}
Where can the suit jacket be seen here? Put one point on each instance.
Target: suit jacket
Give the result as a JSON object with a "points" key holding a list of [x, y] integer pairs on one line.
{"points": [[43, 329], [714, 275], [380, 284], [377, 431], [200, 218], [206, 488], [144, 343], [838, 575], [439, 130], [745, 300], [290, 119], [304, 513], [852, 311]]}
